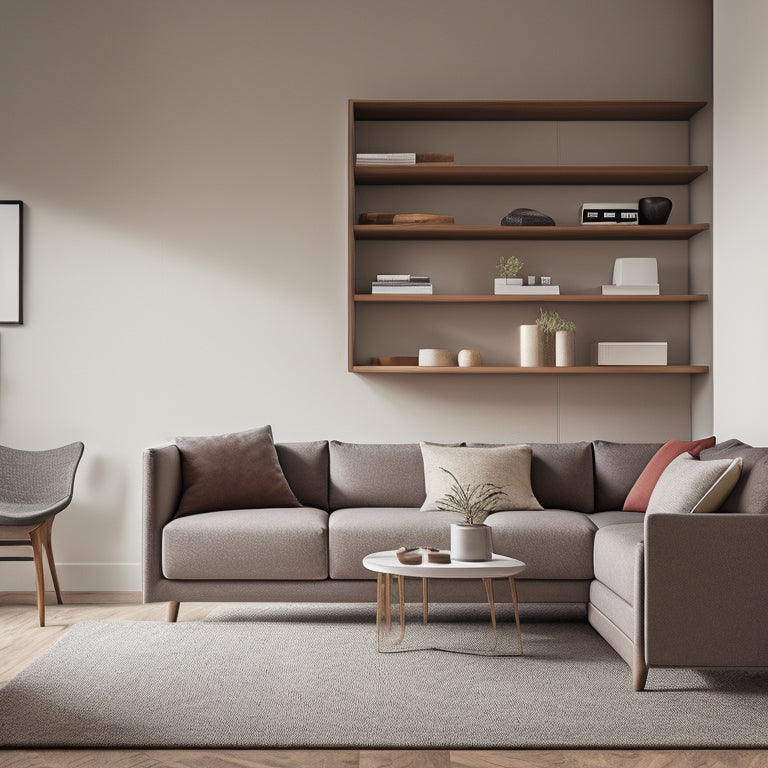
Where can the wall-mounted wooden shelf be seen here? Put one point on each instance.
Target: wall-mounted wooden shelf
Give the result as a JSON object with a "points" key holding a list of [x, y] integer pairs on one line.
{"points": [[437, 173], [533, 109], [600, 370], [478, 232], [657, 175], [540, 298]]}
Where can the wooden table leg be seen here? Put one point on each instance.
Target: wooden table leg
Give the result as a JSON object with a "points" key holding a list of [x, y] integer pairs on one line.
{"points": [[425, 599], [489, 591], [401, 600], [513, 590]]}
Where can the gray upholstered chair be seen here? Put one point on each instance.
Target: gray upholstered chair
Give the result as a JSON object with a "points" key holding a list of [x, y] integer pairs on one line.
{"points": [[34, 487]]}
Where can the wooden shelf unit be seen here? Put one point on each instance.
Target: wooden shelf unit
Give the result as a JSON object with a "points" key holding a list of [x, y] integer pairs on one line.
{"points": [[454, 174]]}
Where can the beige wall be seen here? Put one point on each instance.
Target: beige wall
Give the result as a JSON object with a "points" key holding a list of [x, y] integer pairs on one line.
{"points": [[183, 164], [740, 256]]}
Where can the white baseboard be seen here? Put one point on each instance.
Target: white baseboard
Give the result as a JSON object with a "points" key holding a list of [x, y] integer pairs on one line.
{"points": [[77, 577]]}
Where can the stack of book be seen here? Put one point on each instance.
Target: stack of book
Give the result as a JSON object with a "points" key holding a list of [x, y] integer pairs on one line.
{"points": [[401, 284], [402, 158]]}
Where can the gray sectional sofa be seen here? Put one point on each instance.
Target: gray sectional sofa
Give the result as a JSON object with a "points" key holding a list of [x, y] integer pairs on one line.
{"points": [[662, 589]]}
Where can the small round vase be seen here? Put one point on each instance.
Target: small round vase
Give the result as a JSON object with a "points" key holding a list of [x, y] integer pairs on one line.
{"points": [[469, 358], [653, 210], [471, 543]]}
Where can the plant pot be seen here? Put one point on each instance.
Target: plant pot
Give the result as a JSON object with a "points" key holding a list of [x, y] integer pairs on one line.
{"points": [[565, 348], [471, 543], [530, 346], [548, 350], [500, 284]]}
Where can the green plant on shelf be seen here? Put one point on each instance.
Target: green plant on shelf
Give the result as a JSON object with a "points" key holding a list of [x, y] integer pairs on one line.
{"points": [[509, 266], [550, 322]]}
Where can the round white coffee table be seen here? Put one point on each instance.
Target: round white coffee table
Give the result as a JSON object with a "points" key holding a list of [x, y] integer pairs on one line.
{"points": [[386, 566]]}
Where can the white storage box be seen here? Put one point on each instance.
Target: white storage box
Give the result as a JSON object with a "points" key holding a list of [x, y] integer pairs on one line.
{"points": [[635, 271], [629, 353]]}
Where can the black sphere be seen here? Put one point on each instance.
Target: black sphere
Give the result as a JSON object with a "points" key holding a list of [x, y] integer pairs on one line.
{"points": [[654, 210]]}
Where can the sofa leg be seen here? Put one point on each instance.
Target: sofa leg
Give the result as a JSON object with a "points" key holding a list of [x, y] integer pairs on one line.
{"points": [[173, 611], [639, 669]]}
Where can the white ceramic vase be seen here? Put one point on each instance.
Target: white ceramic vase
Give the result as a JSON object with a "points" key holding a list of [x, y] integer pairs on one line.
{"points": [[530, 346], [471, 543], [565, 346]]}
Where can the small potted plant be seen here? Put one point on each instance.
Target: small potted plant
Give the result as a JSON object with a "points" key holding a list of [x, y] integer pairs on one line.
{"points": [[471, 540], [557, 333], [508, 268]]}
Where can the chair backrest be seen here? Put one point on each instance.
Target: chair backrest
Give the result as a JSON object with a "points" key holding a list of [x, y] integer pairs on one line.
{"points": [[35, 477]]}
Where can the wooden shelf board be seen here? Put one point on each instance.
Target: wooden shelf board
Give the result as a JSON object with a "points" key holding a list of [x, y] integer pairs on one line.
{"points": [[480, 232], [570, 371], [541, 298], [429, 173], [625, 109]]}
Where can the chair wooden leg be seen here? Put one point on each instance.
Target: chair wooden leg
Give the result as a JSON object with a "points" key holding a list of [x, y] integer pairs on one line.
{"points": [[173, 611], [36, 537], [48, 525]]}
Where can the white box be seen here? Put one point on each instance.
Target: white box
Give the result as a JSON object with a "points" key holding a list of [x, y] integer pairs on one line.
{"points": [[629, 353], [643, 271]]}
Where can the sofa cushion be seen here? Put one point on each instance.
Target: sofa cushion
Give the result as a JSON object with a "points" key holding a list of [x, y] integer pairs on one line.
{"points": [[562, 475], [376, 475], [305, 466], [614, 557], [690, 485], [268, 544], [640, 493], [508, 467], [239, 470], [751, 492], [354, 533], [553, 543], [614, 517], [617, 467]]}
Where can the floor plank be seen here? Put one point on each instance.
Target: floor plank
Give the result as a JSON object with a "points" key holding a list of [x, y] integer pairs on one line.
{"points": [[22, 641]]}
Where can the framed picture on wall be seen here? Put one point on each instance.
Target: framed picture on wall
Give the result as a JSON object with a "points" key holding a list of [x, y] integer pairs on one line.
{"points": [[10, 260]]}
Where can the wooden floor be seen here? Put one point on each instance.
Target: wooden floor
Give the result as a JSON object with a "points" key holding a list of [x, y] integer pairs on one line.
{"points": [[22, 640]]}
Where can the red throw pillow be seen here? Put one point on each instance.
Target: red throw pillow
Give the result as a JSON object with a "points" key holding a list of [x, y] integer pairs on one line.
{"points": [[640, 493]]}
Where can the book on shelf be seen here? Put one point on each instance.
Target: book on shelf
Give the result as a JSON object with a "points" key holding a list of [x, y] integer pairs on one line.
{"points": [[402, 278], [396, 287], [631, 290], [531, 290], [402, 158]]}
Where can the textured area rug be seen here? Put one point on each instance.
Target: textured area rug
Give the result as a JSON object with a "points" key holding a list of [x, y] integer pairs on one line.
{"points": [[310, 676]]}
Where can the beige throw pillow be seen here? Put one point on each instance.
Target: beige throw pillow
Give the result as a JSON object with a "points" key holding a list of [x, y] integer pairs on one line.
{"points": [[691, 485], [507, 466]]}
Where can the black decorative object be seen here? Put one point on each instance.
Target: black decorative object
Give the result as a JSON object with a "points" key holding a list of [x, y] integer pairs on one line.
{"points": [[654, 210], [527, 217]]}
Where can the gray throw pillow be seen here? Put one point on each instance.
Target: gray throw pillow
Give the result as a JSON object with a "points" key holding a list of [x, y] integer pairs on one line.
{"points": [[239, 470], [691, 485]]}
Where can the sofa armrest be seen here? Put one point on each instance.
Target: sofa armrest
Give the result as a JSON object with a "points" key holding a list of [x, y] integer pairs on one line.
{"points": [[706, 590], [160, 498]]}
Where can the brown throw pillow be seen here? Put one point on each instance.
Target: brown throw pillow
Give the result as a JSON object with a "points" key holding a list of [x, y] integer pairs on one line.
{"points": [[239, 470]]}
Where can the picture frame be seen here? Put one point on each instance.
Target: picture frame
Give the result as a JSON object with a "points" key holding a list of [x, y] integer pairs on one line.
{"points": [[11, 254]]}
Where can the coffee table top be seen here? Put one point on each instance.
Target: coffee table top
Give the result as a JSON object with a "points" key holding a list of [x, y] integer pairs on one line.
{"points": [[500, 567]]}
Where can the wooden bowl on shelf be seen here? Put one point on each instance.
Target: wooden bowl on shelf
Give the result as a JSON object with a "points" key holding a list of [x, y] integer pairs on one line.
{"points": [[401, 360]]}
